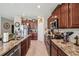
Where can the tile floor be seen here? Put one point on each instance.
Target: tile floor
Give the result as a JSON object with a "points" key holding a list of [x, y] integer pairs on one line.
{"points": [[37, 48]]}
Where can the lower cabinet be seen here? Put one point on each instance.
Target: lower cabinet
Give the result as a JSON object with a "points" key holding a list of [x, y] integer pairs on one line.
{"points": [[25, 46], [55, 51], [47, 44], [29, 41], [23, 50], [34, 36]]}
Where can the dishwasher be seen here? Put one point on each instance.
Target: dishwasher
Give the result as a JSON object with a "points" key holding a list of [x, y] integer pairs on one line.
{"points": [[16, 51]]}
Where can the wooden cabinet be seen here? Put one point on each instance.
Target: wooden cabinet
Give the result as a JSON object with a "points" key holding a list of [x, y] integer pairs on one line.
{"points": [[29, 41], [25, 46], [47, 44], [53, 51], [55, 13], [49, 20], [68, 15], [31, 37], [64, 15], [23, 49], [33, 24], [58, 15], [34, 36], [74, 15]]}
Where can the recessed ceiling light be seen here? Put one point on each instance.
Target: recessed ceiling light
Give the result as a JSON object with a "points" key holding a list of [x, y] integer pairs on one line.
{"points": [[38, 6]]}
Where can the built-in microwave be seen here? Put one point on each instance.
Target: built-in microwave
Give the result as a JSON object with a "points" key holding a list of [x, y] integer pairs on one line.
{"points": [[54, 24]]}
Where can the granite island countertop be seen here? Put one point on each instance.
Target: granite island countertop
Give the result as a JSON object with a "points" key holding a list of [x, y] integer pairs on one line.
{"points": [[68, 48], [5, 47]]}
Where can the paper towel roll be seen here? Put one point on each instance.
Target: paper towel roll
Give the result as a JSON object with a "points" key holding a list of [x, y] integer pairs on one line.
{"points": [[5, 37]]}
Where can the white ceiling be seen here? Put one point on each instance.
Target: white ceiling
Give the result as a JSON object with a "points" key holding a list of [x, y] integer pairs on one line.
{"points": [[26, 9]]}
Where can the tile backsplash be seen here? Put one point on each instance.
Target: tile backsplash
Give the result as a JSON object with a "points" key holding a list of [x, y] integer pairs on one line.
{"points": [[71, 38]]}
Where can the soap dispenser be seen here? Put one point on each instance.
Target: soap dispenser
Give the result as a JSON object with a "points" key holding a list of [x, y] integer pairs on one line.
{"points": [[77, 40]]}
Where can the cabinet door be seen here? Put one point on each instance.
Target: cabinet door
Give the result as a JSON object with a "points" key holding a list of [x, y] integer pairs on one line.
{"points": [[29, 41], [74, 14], [49, 20], [23, 50], [27, 45], [48, 25], [24, 47], [58, 15], [64, 15], [53, 51], [34, 36]]}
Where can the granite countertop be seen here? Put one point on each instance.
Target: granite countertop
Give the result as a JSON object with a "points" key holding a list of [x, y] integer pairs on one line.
{"points": [[68, 48], [5, 47]]}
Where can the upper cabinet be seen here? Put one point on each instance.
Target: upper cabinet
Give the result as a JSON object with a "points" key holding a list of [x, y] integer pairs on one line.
{"points": [[67, 14], [56, 12], [64, 15], [31, 23], [74, 15], [49, 20]]}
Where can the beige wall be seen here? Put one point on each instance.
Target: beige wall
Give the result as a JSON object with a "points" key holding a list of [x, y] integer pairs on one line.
{"points": [[0, 26]]}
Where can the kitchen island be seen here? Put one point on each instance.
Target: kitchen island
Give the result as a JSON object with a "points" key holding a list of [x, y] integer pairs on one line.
{"points": [[59, 48], [6, 47]]}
